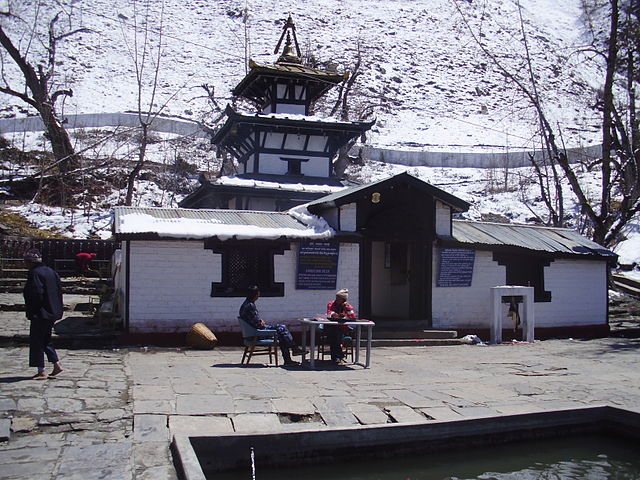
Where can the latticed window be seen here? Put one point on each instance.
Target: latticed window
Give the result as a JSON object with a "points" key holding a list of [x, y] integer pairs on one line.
{"points": [[245, 264], [527, 271]]}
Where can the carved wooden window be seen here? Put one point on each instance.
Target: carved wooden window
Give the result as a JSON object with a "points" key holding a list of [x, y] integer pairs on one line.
{"points": [[527, 271], [245, 264]]}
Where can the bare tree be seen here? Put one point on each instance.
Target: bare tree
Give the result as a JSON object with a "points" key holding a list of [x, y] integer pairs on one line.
{"points": [[615, 41], [146, 53], [349, 104], [41, 89], [618, 201]]}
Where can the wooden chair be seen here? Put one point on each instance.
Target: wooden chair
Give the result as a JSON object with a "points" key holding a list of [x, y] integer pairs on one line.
{"points": [[258, 342], [324, 349]]}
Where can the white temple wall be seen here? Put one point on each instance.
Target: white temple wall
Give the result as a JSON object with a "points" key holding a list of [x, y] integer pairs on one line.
{"points": [[170, 288], [572, 303], [578, 294], [466, 307], [290, 108], [348, 217], [443, 219], [274, 164]]}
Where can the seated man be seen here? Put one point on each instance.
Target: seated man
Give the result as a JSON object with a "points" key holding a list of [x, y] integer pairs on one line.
{"points": [[249, 313], [339, 310]]}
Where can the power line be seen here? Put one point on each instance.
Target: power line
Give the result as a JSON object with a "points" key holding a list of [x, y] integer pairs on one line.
{"points": [[178, 39]]}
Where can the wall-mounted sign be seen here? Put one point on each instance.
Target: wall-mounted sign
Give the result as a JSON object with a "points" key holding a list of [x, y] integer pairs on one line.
{"points": [[456, 267], [317, 266]]}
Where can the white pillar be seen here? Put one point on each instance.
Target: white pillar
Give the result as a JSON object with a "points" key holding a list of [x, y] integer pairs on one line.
{"points": [[528, 322]]}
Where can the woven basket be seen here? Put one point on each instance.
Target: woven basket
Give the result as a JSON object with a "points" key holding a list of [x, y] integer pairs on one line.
{"points": [[201, 337]]}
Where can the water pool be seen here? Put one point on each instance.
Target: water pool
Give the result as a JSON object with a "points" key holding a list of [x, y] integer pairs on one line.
{"points": [[590, 443], [594, 457]]}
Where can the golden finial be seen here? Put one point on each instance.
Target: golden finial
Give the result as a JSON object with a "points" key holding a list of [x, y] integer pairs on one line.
{"points": [[288, 53]]}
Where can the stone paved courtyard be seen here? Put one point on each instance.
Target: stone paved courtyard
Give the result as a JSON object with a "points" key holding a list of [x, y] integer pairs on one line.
{"points": [[111, 413]]}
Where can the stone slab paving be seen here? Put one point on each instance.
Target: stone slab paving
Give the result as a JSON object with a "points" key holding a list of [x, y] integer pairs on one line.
{"points": [[112, 412]]}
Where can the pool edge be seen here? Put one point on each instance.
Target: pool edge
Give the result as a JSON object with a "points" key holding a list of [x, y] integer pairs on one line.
{"points": [[625, 422]]}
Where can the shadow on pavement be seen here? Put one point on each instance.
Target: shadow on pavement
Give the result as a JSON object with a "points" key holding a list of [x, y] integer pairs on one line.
{"points": [[238, 365], [80, 325], [13, 379]]}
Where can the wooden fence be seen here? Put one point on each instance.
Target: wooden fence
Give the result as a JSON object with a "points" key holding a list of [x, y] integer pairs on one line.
{"points": [[60, 254]]}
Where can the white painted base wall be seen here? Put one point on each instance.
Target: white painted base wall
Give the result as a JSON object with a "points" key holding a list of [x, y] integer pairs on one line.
{"points": [[578, 295], [170, 288]]}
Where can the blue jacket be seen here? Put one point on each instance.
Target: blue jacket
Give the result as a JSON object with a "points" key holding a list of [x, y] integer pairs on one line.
{"points": [[43, 294], [249, 313]]}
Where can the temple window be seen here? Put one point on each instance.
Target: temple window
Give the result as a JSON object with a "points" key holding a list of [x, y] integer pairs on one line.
{"points": [[527, 271], [245, 264], [294, 165]]}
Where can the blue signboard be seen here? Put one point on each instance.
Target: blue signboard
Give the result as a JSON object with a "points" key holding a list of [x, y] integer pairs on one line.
{"points": [[317, 266], [456, 267]]}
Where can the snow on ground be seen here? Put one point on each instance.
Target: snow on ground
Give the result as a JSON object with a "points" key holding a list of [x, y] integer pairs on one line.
{"points": [[432, 85], [422, 68], [483, 188]]}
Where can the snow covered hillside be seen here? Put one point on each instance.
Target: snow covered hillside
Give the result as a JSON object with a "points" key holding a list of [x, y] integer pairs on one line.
{"points": [[422, 69], [423, 73]]}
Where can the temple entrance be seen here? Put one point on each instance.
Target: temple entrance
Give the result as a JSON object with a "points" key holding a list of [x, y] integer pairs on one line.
{"points": [[396, 256], [398, 282], [396, 220], [390, 279]]}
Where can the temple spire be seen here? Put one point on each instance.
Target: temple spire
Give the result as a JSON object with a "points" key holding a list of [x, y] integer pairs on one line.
{"points": [[289, 55]]}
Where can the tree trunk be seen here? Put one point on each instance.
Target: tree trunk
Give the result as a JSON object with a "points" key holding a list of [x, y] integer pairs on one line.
{"points": [[600, 230], [133, 175], [39, 83], [63, 151]]}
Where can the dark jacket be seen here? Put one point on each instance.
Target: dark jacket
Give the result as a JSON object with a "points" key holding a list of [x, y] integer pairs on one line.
{"points": [[249, 313], [43, 294]]}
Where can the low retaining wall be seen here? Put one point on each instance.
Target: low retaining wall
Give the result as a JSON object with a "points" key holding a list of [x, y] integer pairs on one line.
{"points": [[480, 159], [507, 157]]}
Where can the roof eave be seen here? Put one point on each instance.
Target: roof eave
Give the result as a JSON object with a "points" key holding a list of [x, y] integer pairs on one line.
{"points": [[450, 241]]}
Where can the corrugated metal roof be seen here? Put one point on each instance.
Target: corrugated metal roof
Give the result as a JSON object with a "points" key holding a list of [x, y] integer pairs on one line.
{"points": [[154, 220], [543, 239]]}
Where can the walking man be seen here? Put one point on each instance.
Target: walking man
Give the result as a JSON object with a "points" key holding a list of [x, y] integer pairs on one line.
{"points": [[43, 301]]}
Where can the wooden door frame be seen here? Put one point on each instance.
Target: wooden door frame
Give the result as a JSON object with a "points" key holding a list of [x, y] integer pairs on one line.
{"points": [[420, 284]]}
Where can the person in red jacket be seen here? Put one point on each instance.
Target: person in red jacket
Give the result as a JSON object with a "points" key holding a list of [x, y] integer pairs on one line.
{"points": [[83, 263], [339, 310]]}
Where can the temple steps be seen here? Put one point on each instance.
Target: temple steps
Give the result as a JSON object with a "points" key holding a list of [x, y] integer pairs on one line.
{"points": [[394, 332]]}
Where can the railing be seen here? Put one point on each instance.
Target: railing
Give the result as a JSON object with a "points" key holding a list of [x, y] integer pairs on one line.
{"points": [[59, 254]]}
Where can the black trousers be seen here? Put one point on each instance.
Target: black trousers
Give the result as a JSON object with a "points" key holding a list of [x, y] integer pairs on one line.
{"points": [[40, 343], [334, 334]]}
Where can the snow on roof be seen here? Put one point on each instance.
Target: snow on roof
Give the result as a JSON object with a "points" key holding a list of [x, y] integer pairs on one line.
{"points": [[136, 222], [298, 117], [296, 187]]}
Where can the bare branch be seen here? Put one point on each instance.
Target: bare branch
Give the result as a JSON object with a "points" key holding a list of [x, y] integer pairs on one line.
{"points": [[25, 98], [58, 93], [73, 32]]}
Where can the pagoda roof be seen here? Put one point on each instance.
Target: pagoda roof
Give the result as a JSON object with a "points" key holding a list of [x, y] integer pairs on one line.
{"points": [[287, 121], [260, 76]]}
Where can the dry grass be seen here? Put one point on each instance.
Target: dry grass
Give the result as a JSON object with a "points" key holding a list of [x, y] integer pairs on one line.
{"points": [[15, 224]]}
